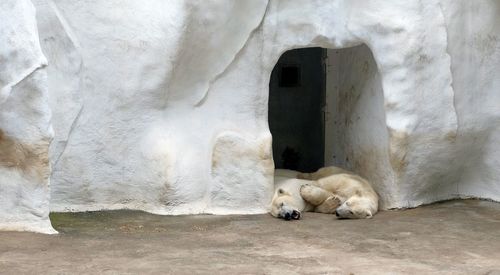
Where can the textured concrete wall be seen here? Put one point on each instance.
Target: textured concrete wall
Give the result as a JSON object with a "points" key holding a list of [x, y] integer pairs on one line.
{"points": [[473, 33], [25, 129], [356, 135]]}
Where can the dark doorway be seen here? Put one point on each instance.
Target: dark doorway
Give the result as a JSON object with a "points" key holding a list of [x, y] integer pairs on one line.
{"points": [[296, 102]]}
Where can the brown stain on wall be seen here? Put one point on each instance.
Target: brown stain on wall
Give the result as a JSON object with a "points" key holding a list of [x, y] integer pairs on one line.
{"points": [[265, 153], [367, 161], [164, 196], [31, 161], [399, 142], [370, 163], [346, 102], [451, 136], [366, 67], [234, 148]]}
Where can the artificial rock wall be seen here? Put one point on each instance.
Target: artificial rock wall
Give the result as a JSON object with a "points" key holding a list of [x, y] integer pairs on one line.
{"points": [[162, 105], [25, 128]]}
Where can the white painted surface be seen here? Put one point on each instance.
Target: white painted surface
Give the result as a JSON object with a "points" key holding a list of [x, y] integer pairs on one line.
{"points": [[474, 47], [25, 129], [147, 97]]}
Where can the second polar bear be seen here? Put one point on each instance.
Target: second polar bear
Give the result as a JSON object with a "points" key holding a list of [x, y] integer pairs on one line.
{"points": [[329, 190]]}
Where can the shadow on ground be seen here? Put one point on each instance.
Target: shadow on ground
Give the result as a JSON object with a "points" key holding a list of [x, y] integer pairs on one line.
{"points": [[457, 237]]}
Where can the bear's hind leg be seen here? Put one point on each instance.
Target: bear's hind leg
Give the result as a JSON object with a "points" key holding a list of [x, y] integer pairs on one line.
{"points": [[313, 194], [329, 205]]}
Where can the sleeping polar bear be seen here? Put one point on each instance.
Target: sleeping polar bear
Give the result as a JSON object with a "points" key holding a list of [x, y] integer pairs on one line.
{"points": [[329, 190]]}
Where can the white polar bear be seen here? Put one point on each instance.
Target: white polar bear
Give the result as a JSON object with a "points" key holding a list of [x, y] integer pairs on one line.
{"points": [[329, 190], [287, 202]]}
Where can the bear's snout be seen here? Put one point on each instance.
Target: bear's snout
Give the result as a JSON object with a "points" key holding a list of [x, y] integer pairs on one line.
{"points": [[287, 216], [290, 215]]}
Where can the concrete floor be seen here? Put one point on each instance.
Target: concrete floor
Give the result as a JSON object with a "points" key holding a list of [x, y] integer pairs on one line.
{"points": [[456, 237]]}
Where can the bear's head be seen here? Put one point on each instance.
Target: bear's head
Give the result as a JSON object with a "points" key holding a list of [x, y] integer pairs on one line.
{"points": [[356, 208], [284, 206]]}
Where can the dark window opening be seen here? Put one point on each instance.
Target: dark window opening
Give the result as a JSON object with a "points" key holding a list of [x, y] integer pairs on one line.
{"points": [[296, 101], [290, 76]]}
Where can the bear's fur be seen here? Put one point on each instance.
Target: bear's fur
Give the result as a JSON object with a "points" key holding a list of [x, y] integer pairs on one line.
{"points": [[287, 202], [329, 190]]}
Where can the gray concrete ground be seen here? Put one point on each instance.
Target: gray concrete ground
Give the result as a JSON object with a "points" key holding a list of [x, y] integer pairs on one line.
{"points": [[456, 237]]}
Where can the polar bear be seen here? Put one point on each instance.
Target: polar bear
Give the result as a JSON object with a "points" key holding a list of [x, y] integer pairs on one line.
{"points": [[329, 190]]}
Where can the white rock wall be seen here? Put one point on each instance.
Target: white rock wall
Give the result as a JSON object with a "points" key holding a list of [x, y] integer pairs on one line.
{"points": [[25, 129], [144, 136], [163, 106], [474, 46]]}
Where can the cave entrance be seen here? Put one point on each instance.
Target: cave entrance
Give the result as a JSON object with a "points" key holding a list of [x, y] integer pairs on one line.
{"points": [[296, 109], [326, 107]]}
